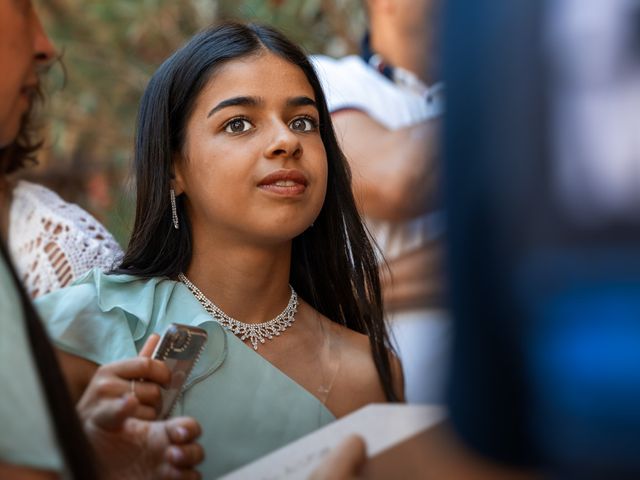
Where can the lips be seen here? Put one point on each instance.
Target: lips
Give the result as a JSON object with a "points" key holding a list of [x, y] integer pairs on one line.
{"points": [[284, 182]]}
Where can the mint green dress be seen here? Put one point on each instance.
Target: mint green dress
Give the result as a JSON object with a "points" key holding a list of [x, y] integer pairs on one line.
{"points": [[246, 407], [27, 437]]}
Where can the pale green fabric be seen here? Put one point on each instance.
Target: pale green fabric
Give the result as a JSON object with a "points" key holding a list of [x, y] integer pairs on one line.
{"points": [[26, 435], [246, 406]]}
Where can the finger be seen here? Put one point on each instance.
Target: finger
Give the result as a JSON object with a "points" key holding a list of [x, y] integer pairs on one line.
{"points": [[344, 461], [110, 414], [185, 456], [140, 368], [109, 385], [168, 472], [149, 346], [147, 393], [105, 384], [181, 430], [143, 412]]}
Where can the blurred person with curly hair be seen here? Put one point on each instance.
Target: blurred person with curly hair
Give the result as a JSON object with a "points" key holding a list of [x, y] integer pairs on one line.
{"points": [[51, 242], [42, 436]]}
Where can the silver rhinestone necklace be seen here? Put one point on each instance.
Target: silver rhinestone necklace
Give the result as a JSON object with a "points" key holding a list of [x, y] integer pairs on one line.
{"points": [[255, 332]]}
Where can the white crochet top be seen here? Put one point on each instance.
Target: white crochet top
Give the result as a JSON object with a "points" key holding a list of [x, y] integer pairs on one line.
{"points": [[53, 242]]}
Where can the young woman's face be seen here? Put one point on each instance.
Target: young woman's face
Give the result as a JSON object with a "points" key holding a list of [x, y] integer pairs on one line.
{"points": [[253, 165], [24, 46]]}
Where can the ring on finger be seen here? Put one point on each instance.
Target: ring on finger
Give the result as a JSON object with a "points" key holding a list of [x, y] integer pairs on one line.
{"points": [[133, 388]]}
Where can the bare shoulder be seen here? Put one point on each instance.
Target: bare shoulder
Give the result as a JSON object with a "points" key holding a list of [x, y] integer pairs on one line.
{"points": [[357, 382]]}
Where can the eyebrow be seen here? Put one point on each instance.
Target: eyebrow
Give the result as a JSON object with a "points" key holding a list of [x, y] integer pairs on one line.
{"points": [[300, 101], [234, 102]]}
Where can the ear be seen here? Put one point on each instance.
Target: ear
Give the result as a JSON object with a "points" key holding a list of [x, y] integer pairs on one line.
{"points": [[177, 177]]}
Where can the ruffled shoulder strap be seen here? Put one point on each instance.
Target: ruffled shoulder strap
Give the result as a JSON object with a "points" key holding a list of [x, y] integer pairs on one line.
{"points": [[104, 317]]}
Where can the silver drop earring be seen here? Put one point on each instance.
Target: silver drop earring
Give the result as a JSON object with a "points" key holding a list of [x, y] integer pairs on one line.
{"points": [[174, 209]]}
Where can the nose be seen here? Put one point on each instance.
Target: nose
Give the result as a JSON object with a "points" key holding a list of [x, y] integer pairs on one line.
{"points": [[284, 143], [44, 51]]}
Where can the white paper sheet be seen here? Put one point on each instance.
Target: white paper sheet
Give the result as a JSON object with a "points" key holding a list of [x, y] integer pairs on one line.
{"points": [[381, 426]]}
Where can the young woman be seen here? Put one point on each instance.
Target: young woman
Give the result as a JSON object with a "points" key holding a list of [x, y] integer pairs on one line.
{"points": [[245, 226]]}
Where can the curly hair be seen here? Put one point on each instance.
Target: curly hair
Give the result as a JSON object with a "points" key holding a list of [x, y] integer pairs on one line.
{"points": [[22, 151]]}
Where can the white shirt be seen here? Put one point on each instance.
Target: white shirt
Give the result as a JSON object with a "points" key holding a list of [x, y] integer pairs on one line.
{"points": [[350, 83], [53, 242]]}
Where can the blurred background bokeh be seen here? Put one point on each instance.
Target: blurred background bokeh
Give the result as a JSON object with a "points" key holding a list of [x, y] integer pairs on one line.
{"points": [[110, 48]]}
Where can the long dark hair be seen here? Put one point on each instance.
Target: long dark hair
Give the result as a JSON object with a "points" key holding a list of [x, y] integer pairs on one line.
{"points": [[333, 264], [77, 453]]}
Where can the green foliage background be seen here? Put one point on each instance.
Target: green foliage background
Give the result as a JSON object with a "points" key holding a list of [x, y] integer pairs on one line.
{"points": [[110, 48]]}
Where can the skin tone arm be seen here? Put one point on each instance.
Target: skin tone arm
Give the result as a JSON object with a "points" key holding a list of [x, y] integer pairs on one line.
{"points": [[413, 280], [118, 421], [395, 178], [23, 473], [394, 171], [88, 383], [127, 447]]}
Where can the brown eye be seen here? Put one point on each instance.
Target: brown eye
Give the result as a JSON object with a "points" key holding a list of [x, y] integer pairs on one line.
{"points": [[237, 125], [303, 124]]}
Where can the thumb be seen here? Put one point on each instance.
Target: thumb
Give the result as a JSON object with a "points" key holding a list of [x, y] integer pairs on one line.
{"points": [[111, 414], [149, 346], [344, 462]]}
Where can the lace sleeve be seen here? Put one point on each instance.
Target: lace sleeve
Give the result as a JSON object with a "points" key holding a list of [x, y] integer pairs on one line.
{"points": [[53, 242]]}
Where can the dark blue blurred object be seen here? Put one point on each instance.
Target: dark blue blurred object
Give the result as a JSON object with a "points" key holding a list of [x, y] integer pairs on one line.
{"points": [[546, 364]]}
